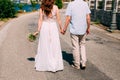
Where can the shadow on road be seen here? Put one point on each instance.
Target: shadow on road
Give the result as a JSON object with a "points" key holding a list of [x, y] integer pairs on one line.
{"points": [[31, 59], [67, 57]]}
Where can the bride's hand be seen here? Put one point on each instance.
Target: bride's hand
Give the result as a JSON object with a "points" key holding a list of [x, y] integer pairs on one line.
{"points": [[61, 31], [36, 33]]}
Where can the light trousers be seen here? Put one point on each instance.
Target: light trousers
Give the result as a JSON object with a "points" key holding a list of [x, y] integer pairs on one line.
{"points": [[79, 51]]}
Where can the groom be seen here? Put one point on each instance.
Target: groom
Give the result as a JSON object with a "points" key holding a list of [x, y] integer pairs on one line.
{"points": [[78, 15]]}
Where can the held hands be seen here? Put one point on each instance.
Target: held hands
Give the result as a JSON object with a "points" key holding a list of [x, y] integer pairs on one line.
{"points": [[62, 31]]}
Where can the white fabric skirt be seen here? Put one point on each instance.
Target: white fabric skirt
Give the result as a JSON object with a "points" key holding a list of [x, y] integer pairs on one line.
{"points": [[49, 55]]}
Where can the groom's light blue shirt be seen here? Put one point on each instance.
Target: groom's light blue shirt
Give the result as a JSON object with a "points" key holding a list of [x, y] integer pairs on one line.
{"points": [[78, 10]]}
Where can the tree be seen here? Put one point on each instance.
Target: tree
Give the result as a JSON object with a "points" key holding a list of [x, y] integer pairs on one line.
{"points": [[59, 3], [100, 5], [7, 9]]}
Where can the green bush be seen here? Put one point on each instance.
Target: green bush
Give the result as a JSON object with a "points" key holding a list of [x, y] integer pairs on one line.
{"points": [[7, 9], [59, 3], [21, 5]]}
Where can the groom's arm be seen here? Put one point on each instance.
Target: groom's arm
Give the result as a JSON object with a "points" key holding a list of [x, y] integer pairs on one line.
{"points": [[68, 17], [88, 24], [67, 21]]}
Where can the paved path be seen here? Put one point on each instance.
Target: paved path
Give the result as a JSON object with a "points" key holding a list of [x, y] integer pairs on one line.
{"points": [[17, 54]]}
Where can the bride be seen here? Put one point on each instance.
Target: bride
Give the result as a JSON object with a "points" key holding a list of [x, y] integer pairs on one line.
{"points": [[49, 55]]}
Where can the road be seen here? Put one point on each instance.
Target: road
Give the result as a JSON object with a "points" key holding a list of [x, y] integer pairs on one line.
{"points": [[17, 53]]}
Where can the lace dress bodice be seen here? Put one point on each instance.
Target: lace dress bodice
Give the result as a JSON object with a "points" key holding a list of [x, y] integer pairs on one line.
{"points": [[51, 18]]}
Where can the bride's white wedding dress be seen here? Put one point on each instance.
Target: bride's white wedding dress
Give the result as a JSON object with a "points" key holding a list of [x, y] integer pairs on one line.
{"points": [[49, 55]]}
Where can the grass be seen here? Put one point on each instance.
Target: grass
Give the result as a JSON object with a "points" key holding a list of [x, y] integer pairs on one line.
{"points": [[97, 22], [4, 19]]}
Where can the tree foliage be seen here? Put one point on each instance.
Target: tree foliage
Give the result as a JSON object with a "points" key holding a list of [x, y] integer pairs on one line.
{"points": [[7, 9], [59, 3]]}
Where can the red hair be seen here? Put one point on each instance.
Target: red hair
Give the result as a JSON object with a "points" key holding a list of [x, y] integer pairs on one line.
{"points": [[47, 6]]}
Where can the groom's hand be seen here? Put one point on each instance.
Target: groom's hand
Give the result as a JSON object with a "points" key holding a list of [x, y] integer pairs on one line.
{"points": [[63, 31]]}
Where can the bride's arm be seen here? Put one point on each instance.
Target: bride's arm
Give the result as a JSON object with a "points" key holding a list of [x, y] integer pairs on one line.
{"points": [[39, 22], [58, 17]]}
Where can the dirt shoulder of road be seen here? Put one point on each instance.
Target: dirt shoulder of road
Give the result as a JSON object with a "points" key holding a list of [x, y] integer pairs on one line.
{"points": [[1, 23]]}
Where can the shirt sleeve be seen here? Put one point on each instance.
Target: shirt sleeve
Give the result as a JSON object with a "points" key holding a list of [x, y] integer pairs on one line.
{"points": [[87, 9], [68, 10]]}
